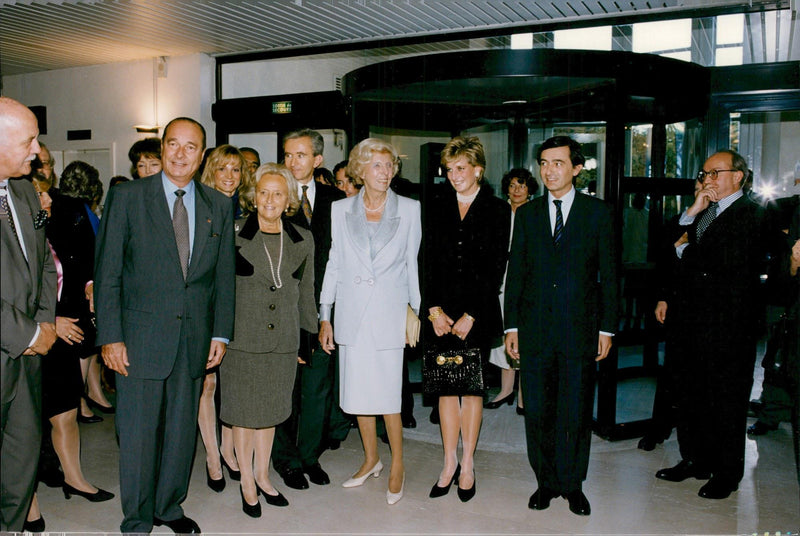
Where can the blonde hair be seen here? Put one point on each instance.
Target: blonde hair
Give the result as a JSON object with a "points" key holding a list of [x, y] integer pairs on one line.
{"points": [[247, 196], [220, 156], [361, 155], [470, 147]]}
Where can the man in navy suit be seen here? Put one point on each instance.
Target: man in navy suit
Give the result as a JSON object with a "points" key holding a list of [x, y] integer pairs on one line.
{"points": [[164, 296], [560, 314], [28, 314], [300, 440]]}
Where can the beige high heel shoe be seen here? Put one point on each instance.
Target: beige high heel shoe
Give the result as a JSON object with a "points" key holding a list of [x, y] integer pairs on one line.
{"points": [[358, 481]]}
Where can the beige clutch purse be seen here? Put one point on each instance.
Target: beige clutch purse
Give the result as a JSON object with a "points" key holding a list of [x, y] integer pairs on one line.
{"points": [[412, 327]]}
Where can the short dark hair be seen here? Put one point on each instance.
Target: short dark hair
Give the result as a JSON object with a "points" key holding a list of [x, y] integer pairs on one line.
{"points": [[317, 143], [251, 150], [148, 147], [523, 176], [325, 174], [337, 167], [575, 149], [116, 179], [188, 120]]}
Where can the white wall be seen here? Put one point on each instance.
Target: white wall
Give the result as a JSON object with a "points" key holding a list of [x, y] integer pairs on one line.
{"points": [[109, 99]]}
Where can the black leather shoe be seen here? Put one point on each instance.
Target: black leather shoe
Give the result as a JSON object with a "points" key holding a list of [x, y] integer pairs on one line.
{"points": [[100, 495], [37, 525], [96, 405], [466, 494], [648, 443], [182, 525], [436, 491], [89, 420], [215, 485], [682, 471], [333, 444], [317, 475], [274, 500], [717, 488], [235, 475], [294, 479], [409, 422], [541, 498], [508, 399], [578, 503], [253, 510], [759, 428]]}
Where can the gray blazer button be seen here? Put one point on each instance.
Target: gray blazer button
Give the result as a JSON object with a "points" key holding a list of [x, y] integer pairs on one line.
{"points": [[357, 280], [370, 281]]}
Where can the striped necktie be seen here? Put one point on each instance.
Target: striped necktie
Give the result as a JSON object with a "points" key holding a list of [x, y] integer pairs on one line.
{"points": [[559, 229]]}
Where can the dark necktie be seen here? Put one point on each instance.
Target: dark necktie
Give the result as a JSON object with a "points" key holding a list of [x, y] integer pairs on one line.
{"points": [[559, 228], [706, 219], [306, 204], [6, 214], [180, 224]]}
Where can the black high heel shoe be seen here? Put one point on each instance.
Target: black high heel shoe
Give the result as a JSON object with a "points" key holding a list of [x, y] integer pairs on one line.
{"points": [[37, 525], [437, 491], [92, 419], [273, 500], [235, 475], [99, 496], [253, 510], [467, 494], [497, 403], [520, 411], [96, 405], [216, 485]]}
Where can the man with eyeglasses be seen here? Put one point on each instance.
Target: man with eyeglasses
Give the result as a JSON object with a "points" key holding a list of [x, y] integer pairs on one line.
{"points": [[715, 315]]}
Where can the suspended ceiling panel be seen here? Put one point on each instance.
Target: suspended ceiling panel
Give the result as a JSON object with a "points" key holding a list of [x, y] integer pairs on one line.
{"points": [[39, 35]]}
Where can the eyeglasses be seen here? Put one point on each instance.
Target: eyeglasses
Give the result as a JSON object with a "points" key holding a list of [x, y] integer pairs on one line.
{"points": [[701, 175]]}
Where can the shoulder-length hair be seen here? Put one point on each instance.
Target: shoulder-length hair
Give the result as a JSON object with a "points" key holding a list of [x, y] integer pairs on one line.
{"points": [[219, 156], [247, 195], [81, 181], [361, 155], [470, 147]]}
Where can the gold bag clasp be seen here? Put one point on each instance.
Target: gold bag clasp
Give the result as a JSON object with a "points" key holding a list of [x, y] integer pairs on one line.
{"points": [[441, 360]]}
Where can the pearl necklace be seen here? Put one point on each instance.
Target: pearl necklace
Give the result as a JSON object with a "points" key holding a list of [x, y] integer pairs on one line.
{"points": [[467, 199], [374, 209], [275, 277]]}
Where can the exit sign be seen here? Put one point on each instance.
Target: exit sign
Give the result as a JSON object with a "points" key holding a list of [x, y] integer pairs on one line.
{"points": [[282, 107]]}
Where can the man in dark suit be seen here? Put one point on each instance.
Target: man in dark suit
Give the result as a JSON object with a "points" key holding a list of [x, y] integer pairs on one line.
{"points": [[164, 295], [716, 314], [560, 315], [28, 314], [299, 440]]}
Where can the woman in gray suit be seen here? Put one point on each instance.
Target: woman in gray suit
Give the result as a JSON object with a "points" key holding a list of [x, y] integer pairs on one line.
{"points": [[372, 278], [274, 300]]}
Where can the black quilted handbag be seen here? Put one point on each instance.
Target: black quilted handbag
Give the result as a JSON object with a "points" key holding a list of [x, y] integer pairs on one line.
{"points": [[449, 370]]}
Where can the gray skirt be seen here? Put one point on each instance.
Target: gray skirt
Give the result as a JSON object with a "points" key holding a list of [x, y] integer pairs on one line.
{"points": [[256, 389]]}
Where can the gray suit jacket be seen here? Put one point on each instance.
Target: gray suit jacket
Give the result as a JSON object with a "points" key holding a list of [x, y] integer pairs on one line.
{"points": [[372, 286], [269, 319], [141, 298], [28, 288]]}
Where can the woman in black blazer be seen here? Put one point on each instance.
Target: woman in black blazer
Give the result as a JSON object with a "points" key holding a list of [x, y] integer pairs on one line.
{"points": [[467, 233]]}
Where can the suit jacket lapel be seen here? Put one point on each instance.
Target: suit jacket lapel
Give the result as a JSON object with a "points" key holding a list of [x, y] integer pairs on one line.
{"points": [[24, 226], [389, 223], [158, 211], [356, 219], [202, 224]]}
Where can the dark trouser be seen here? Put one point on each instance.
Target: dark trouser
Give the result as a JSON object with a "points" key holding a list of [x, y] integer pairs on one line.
{"points": [[558, 392], [338, 421], [20, 437], [298, 441], [156, 422], [776, 404], [715, 379]]}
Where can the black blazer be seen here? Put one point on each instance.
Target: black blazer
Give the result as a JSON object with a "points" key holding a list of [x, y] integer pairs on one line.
{"points": [[320, 229], [71, 235], [561, 297], [464, 261], [718, 282]]}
